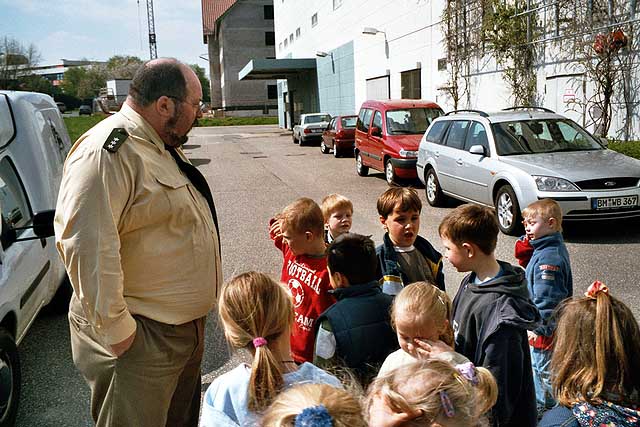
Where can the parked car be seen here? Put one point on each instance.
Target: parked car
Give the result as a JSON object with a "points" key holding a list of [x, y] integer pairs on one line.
{"points": [[514, 157], [61, 106], [388, 134], [33, 145], [310, 127], [339, 136], [85, 109]]}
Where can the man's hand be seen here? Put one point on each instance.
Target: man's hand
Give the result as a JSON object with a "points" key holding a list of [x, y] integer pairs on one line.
{"points": [[118, 349]]}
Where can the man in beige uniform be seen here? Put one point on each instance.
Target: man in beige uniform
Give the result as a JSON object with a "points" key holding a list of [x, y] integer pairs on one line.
{"points": [[138, 235]]}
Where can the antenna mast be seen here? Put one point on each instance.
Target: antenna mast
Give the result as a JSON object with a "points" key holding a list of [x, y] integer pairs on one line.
{"points": [[153, 50]]}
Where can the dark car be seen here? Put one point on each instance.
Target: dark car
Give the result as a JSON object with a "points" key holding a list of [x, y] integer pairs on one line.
{"points": [[84, 109], [339, 136], [61, 106]]}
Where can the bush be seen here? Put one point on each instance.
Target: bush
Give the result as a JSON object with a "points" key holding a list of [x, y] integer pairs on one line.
{"points": [[629, 148]]}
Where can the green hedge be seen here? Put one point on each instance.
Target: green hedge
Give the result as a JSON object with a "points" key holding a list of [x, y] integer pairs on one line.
{"points": [[630, 148], [76, 126]]}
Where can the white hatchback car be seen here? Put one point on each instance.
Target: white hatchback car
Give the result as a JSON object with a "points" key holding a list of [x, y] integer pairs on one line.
{"points": [[514, 157]]}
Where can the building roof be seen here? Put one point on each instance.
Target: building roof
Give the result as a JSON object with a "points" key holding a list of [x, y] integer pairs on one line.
{"points": [[212, 10], [271, 69]]}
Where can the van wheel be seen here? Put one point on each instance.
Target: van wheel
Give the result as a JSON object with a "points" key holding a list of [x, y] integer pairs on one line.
{"points": [[361, 169], [9, 379], [323, 148], [336, 153], [295, 140], [389, 172], [508, 211], [435, 197]]}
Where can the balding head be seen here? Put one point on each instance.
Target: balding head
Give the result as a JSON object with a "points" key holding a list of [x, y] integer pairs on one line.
{"points": [[158, 77]]}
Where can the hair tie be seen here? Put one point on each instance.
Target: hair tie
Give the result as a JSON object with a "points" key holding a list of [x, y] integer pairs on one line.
{"points": [[314, 416], [447, 406], [468, 371], [259, 342], [594, 288]]}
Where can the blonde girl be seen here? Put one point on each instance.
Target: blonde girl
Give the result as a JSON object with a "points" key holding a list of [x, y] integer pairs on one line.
{"points": [[256, 313], [431, 393], [420, 316], [595, 368], [314, 405]]}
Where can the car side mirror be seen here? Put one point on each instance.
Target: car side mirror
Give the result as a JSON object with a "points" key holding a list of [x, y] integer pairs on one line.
{"points": [[478, 149], [604, 141], [376, 131], [43, 223]]}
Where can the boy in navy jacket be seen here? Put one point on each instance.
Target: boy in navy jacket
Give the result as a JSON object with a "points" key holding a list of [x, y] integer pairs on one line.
{"points": [[492, 312]]}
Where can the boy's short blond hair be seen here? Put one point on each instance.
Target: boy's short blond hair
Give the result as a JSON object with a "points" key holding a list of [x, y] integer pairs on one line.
{"points": [[334, 202], [471, 224], [546, 208], [303, 215], [403, 198]]}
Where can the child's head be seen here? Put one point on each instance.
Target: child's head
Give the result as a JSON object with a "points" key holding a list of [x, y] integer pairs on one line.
{"points": [[431, 392], [421, 311], [337, 211], [307, 405], [596, 348], [541, 218], [399, 209], [302, 225], [255, 312], [467, 231], [351, 260]]}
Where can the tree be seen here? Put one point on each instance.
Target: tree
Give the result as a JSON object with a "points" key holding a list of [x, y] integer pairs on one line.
{"points": [[84, 82], [123, 67], [204, 81], [15, 61]]}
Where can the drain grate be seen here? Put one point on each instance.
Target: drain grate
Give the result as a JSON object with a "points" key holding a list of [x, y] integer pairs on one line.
{"points": [[295, 155], [260, 157], [251, 152]]}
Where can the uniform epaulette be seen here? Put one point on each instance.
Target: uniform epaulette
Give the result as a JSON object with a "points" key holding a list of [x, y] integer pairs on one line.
{"points": [[115, 140]]}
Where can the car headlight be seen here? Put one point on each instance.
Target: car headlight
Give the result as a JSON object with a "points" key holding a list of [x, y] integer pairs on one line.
{"points": [[408, 153], [550, 183]]}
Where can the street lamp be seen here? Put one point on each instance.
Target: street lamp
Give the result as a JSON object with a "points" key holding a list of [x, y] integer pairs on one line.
{"points": [[322, 54], [372, 32]]}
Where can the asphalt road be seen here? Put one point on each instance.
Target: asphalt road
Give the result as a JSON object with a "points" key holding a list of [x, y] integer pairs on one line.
{"points": [[254, 171]]}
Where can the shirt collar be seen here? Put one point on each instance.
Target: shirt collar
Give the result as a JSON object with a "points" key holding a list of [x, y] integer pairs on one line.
{"points": [[139, 127]]}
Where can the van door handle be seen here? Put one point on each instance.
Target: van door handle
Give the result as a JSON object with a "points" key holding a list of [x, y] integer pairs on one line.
{"points": [[460, 162], [436, 153]]}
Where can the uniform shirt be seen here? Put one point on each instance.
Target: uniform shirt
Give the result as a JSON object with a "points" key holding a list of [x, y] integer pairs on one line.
{"points": [[135, 235]]}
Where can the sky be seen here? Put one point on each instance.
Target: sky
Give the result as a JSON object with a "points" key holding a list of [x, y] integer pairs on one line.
{"points": [[98, 30]]}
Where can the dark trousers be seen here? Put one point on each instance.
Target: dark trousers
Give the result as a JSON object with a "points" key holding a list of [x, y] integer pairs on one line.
{"points": [[155, 383]]}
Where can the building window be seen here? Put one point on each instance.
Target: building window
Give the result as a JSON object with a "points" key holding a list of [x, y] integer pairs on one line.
{"points": [[314, 19], [337, 4], [268, 11], [270, 38], [291, 38], [442, 64], [272, 91], [297, 32], [286, 43], [410, 82], [280, 46]]}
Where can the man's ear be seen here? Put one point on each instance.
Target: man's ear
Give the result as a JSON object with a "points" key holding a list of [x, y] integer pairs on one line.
{"points": [[553, 223], [165, 106], [383, 221], [340, 280], [309, 235], [471, 250]]}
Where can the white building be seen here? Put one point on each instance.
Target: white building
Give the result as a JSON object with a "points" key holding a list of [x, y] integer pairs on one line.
{"points": [[377, 49]]}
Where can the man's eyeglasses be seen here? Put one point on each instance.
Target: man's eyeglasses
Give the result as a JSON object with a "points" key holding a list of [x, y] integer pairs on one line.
{"points": [[196, 105]]}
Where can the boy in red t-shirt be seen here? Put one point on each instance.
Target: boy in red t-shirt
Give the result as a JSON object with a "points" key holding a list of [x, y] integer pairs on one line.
{"points": [[298, 231]]}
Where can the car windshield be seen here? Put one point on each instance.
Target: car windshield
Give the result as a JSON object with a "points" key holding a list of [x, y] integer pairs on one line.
{"points": [[317, 119], [411, 121], [541, 136], [349, 122]]}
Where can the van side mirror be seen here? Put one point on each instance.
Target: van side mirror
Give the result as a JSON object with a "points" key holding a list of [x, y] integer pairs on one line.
{"points": [[376, 131], [42, 228], [478, 149]]}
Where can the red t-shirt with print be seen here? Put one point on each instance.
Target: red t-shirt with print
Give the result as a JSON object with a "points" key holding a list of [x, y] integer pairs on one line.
{"points": [[308, 281]]}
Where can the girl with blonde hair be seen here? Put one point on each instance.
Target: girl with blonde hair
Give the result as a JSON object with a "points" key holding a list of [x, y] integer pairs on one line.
{"points": [[595, 368], [431, 393], [256, 313], [420, 316], [314, 405]]}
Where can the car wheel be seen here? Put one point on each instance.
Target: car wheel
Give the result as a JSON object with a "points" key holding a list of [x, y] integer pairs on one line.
{"points": [[9, 379], [361, 169], [323, 148], [508, 211], [336, 152], [389, 172], [435, 197], [295, 140]]}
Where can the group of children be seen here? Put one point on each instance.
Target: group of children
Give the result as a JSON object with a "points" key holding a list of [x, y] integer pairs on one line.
{"points": [[348, 315]]}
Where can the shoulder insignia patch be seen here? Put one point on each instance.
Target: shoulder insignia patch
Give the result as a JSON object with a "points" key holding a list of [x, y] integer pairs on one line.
{"points": [[115, 140]]}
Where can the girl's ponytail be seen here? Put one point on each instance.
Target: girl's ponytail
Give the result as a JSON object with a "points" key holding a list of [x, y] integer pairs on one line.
{"points": [[255, 311]]}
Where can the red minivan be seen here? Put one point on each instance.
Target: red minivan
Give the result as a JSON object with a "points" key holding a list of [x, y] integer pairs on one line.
{"points": [[388, 134], [339, 136]]}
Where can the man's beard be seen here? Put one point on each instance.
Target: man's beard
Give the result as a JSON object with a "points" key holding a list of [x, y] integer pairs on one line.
{"points": [[176, 140]]}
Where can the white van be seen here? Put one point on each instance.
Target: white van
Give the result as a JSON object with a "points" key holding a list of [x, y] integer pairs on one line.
{"points": [[33, 145]]}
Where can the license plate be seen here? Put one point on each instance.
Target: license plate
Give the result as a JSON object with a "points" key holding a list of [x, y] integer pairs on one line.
{"points": [[614, 202], [317, 130]]}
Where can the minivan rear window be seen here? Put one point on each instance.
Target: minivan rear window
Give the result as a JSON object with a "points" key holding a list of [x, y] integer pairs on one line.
{"points": [[349, 122], [411, 121]]}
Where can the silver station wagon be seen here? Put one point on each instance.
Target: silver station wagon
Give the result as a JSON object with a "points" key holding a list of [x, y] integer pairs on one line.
{"points": [[514, 157]]}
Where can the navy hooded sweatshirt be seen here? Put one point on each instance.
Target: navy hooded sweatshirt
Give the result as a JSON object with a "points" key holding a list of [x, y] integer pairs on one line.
{"points": [[490, 323]]}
